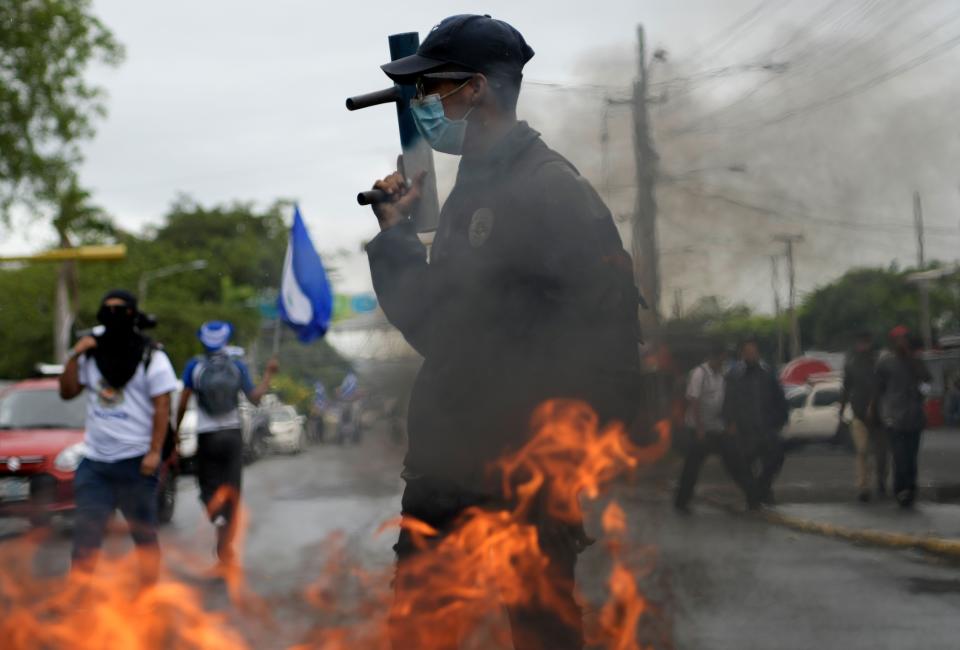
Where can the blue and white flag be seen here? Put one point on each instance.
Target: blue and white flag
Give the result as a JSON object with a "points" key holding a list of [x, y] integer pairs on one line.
{"points": [[305, 301]]}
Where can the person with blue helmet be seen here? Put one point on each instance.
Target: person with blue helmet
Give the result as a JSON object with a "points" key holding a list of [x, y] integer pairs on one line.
{"points": [[217, 379]]}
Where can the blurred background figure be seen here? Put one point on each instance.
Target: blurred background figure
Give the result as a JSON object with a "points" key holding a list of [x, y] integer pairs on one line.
{"points": [[708, 435], [350, 406], [869, 439], [901, 381], [755, 410], [217, 380]]}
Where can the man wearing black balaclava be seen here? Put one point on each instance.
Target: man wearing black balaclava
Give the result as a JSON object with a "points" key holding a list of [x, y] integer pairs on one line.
{"points": [[528, 295], [128, 383]]}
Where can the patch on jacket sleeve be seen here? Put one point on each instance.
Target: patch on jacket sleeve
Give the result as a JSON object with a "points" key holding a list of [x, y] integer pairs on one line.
{"points": [[481, 225]]}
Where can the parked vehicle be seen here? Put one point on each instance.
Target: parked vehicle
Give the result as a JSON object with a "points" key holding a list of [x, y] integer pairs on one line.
{"points": [[255, 426], [41, 446], [287, 431], [815, 411]]}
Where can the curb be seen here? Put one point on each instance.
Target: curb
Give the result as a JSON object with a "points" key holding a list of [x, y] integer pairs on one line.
{"points": [[943, 547]]}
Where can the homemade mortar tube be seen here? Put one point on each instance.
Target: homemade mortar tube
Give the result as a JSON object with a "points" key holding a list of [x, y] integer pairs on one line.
{"points": [[371, 197], [385, 96], [417, 154]]}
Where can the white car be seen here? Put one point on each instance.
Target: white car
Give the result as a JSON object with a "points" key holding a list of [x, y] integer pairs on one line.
{"points": [[814, 411], [287, 431]]}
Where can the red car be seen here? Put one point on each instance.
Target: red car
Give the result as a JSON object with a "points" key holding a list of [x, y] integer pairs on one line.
{"points": [[41, 445]]}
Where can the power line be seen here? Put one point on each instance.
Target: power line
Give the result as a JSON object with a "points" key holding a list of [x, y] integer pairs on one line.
{"points": [[926, 57], [805, 217], [834, 57], [724, 37], [849, 91]]}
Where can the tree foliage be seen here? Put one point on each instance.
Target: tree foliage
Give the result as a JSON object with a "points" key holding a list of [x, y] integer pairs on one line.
{"points": [[244, 249], [869, 300], [47, 107]]}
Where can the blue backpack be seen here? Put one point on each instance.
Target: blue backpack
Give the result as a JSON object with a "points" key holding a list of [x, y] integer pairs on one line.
{"points": [[218, 384]]}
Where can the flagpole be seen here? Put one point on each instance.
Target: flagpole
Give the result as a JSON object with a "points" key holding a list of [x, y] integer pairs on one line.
{"points": [[277, 331]]}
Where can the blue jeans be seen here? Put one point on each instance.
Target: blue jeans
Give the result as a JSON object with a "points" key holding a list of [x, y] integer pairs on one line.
{"points": [[100, 488]]}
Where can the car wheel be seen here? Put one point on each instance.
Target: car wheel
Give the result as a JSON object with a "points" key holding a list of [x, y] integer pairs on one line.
{"points": [[261, 446], [167, 499], [301, 443]]}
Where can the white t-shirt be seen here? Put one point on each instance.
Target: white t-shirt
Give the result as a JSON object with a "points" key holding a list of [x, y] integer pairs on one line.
{"points": [[120, 422], [706, 386]]}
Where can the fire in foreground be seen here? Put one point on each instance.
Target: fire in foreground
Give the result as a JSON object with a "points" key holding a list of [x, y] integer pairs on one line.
{"points": [[492, 558]]}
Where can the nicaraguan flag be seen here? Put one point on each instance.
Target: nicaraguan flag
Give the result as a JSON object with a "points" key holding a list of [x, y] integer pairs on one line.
{"points": [[305, 301]]}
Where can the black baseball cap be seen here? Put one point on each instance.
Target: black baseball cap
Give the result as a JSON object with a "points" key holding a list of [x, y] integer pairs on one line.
{"points": [[468, 42]]}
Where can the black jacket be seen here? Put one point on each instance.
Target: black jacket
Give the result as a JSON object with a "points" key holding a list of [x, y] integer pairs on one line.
{"points": [[859, 382], [754, 402], [526, 297]]}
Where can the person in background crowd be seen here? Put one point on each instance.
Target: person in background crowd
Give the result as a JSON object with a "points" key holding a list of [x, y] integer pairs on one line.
{"points": [[704, 418], [349, 426], [755, 410], [901, 380], [217, 380], [128, 380], [869, 439], [951, 402]]}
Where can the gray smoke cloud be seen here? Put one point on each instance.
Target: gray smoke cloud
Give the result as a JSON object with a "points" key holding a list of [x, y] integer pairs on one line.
{"points": [[825, 130]]}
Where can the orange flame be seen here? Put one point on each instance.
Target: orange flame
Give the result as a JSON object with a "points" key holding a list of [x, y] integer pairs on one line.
{"points": [[454, 589]]}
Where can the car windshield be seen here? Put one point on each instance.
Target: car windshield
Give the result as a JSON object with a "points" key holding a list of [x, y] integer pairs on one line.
{"points": [[40, 409], [282, 415]]}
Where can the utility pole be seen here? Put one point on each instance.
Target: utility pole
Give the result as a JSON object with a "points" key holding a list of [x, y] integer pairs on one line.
{"points": [[921, 264], [775, 283], [644, 232], [918, 227], [789, 241]]}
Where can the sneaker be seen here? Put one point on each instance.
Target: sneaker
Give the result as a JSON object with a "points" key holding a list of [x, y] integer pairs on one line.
{"points": [[864, 497]]}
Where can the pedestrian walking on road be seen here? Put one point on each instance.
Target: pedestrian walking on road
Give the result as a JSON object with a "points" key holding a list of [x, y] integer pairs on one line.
{"points": [[528, 296], [755, 410], [901, 381], [704, 419], [869, 438], [217, 379], [128, 381]]}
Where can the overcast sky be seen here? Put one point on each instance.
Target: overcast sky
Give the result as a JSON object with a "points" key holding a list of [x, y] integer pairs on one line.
{"points": [[239, 100]]}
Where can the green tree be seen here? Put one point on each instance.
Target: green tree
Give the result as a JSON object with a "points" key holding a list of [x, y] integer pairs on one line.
{"points": [[871, 300], [47, 106]]}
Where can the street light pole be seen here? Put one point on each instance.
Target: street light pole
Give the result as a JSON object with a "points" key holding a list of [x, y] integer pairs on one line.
{"points": [[149, 276]]}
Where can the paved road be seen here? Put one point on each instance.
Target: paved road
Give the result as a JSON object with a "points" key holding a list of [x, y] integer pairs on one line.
{"points": [[714, 580]]}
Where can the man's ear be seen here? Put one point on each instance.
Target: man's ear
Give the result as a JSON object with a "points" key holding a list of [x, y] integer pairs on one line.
{"points": [[480, 87]]}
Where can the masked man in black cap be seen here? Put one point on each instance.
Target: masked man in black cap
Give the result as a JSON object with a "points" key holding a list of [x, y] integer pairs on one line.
{"points": [[528, 295], [128, 383]]}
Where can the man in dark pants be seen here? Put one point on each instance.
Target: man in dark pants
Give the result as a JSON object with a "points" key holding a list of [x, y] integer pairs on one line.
{"points": [[899, 403], [704, 418], [755, 410], [869, 439], [217, 380], [128, 383], [527, 296]]}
